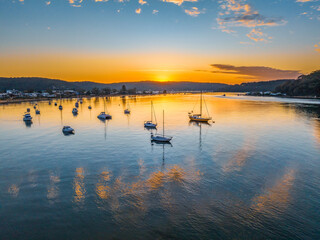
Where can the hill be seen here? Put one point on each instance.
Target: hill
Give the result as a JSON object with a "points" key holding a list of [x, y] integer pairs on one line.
{"points": [[37, 84], [305, 85]]}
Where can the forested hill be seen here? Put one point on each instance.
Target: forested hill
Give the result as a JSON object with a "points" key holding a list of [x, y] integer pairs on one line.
{"points": [[37, 84], [305, 85]]}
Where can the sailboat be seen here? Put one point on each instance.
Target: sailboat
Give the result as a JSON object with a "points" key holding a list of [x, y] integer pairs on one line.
{"points": [[127, 110], [104, 115], [151, 124], [161, 137], [198, 117], [60, 106]]}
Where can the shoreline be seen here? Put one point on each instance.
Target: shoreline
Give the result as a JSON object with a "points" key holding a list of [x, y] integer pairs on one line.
{"points": [[22, 100]]}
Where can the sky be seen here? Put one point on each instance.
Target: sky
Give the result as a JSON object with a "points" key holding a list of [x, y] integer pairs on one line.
{"points": [[225, 41]]}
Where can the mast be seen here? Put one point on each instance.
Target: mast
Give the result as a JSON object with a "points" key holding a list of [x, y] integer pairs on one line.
{"points": [[163, 124], [201, 104], [151, 111]]}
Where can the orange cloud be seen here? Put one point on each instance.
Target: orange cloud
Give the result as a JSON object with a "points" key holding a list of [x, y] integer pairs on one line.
{"points": [[138, 11], [194, 12], [179, 2]]}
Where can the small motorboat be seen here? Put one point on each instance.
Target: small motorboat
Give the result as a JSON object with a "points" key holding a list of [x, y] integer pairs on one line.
{"points": [[28, 109], [150, 124], [55, 104], [60, 107], [49, 102], [75, 111], [35, 106], [89, 107], [104, 116], [76, 105], [81, 101], [127, 111], [27, 117], [37, 111], [67, 130]]}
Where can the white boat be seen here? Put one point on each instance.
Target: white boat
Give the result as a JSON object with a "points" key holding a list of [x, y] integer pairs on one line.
{"points": [[151, 124], [75, 111], [161, 137], [67, 130], [27, 117], [198, 117], [104, 116], [127, 110]]}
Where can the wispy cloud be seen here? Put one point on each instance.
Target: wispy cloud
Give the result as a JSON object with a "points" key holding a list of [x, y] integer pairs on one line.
{"points": [[194, 11], [75, 3], [238, 13], [179, 2], [258, 36], [155, 11], [256, 72], [48, 3], [142, 2]]}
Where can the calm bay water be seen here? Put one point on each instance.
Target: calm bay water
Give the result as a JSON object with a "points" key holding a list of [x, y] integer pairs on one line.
{"points": [[253, 174]]}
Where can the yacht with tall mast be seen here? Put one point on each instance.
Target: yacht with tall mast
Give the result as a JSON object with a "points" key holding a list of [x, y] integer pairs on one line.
{"points": [[103, 115], [151, 124], [198, 117], [161, 137]]}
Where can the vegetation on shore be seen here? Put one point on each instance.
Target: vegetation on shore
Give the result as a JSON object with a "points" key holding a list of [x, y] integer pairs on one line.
{"points": [[305, 85]]}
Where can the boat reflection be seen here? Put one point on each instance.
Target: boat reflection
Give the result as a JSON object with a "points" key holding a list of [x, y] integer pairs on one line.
{"points": [[28, 123]]}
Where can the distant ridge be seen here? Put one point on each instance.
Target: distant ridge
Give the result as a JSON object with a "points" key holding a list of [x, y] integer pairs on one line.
{"points": [[37, 84]]}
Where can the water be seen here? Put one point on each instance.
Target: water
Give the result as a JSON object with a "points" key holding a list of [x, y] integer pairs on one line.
{"points": [[253, 174]]}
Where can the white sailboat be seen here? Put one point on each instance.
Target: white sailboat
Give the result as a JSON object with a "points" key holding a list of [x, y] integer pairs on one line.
{"points": [[104, 115], [60, 106], [198, 117], [127, 110], [27, 117], [161, 137], [151, 124], [75, 111]]}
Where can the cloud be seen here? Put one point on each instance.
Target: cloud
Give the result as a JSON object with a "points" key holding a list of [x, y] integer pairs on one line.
{"points": [[258, 36], [238, 13], [138, 11], [256, 72], [194, 12], [179, 2], [142, 2], [305, 1], [48, 2], [101, 0], [155, 11], [75, 3], [317, 47]]}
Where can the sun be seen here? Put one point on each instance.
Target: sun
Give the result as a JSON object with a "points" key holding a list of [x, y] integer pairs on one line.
{"points": [[162, 78]]}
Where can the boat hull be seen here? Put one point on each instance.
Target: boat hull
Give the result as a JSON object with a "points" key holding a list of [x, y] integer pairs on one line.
{"points": [[199, 119]]}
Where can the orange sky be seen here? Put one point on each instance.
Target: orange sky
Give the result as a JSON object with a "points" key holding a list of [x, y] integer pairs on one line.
{"points": [[140, 67]]}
